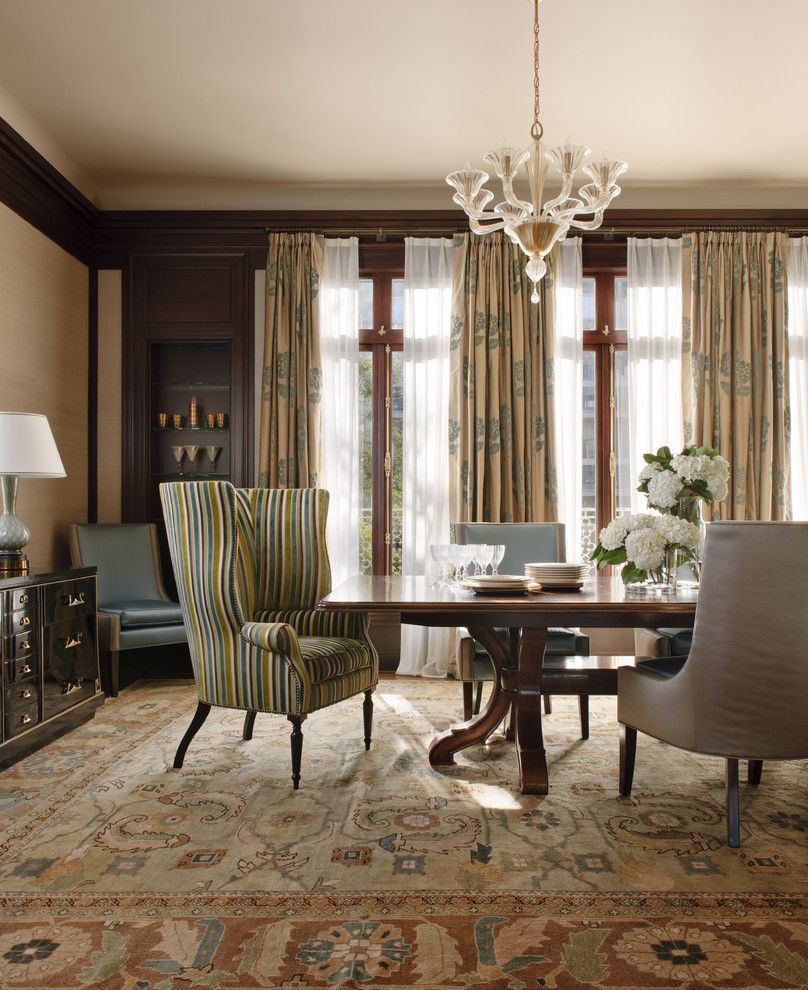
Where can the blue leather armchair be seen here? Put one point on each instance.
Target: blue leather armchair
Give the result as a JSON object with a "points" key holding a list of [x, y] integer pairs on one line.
{"points": [[134, 611]]}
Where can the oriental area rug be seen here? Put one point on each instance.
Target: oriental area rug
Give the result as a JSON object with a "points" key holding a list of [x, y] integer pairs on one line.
{"points": [[117, 871]]}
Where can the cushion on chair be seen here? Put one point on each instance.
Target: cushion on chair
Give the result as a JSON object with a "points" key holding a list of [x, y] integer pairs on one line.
{"points": [[325, 658], [680, 640], [668, 666], [153, 612]]}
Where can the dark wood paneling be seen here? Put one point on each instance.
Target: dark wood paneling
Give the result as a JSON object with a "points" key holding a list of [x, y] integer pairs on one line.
{"points": [[178, 295], [40, 194]]}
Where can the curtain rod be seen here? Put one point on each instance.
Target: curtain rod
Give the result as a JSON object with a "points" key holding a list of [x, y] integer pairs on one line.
{"points": [[602, 233]]}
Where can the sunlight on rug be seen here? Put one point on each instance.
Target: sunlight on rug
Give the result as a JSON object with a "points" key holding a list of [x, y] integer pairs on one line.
{"points": [[119, 871]]}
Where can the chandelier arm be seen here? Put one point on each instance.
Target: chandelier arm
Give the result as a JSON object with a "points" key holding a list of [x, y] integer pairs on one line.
{"points": [[512, 198], [562, 197], [587, 224], [568, 209], [477, 228]]}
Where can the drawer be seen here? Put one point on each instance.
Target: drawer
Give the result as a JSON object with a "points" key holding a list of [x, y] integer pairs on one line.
{"points": [[68, 599], [24, 644], [21, 620], [22, 598], [21, 695], [23, 669], [17, 720]]}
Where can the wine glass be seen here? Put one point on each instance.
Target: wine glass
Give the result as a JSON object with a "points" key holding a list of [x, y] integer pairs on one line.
{"points": [[496, 559], [213, 453], [439, 554], [465, 555], [192, 450], [179, 453], [485, 557]]}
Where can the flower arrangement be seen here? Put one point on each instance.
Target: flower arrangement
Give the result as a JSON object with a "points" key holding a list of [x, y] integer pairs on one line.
{"points": [[652, 547]]}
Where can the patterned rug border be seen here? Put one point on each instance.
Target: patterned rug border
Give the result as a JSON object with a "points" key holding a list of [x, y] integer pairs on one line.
{"points": [[596, 904]]}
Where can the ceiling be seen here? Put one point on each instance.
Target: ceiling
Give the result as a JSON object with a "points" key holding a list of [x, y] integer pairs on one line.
{"points": [[366, 104]]}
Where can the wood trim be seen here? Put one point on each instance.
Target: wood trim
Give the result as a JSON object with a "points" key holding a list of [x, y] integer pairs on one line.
{"points": [[92, 398], [42, 196]]}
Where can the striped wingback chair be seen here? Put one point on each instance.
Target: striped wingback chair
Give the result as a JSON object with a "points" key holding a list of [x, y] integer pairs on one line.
{"points": [[250, 566]]}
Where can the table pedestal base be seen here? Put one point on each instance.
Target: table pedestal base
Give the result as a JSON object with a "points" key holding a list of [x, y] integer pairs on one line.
{"points": [[517, 689]]}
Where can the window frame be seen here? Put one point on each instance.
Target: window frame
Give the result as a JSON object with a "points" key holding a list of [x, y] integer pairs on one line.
{"points": [[604, 341], [381, 341]]}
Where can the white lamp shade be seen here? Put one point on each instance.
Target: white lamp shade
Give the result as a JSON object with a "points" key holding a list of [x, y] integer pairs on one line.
{"points": [[27, 447]]}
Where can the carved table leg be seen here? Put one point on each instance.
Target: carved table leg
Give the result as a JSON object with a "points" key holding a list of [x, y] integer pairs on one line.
{"points": [[478, 729], [527, 711]]}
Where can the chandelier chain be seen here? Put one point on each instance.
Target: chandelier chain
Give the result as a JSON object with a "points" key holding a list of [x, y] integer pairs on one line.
{"points": [[536, 130]]}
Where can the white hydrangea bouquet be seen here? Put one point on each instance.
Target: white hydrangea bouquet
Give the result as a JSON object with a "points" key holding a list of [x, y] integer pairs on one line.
{"points": [[653, 547]]}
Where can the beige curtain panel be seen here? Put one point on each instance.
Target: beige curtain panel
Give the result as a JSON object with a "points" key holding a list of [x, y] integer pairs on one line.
{"points": [[735, 364], [289, 437], [501, 430]]}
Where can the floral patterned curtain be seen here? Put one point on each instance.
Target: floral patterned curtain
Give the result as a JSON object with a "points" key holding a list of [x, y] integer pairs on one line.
{"points": [[735, 364], [501, 429], [289, 438]]}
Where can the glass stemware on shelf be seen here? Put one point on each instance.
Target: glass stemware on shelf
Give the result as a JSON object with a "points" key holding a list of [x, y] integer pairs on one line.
{"points": [[213, 453], [191, 451], [179, 454]]}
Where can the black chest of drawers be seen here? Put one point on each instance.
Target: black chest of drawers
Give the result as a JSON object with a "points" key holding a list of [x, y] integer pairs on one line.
{"points": [[49, 656]]}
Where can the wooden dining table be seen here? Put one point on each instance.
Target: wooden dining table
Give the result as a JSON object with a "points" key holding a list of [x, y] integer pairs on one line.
{"points": [[518, 657]]}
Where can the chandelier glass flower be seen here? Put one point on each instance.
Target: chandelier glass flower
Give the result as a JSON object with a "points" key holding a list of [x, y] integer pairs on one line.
{"points": [[536, 226]]}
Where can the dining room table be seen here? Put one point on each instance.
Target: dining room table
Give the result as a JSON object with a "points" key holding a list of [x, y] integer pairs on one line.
{"points": [[519, 655]]}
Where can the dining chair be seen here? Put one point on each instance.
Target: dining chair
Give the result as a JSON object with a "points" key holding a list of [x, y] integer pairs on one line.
{"points": [[250, 566], [742, 692], [525, 543], [134, 611]]}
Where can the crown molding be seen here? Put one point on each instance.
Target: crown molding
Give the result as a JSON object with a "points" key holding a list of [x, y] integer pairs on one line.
{"points": [[40, 194]]}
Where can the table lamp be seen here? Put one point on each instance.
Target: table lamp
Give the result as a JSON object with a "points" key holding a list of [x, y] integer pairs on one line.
{"points": [[27, 450]]}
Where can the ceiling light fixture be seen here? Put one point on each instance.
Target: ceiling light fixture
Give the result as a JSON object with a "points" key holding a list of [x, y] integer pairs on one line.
{"points": [[536, 228]]}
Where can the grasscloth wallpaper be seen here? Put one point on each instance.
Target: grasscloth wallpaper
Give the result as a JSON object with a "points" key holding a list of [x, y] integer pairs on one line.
{"points": [[44, 295]]}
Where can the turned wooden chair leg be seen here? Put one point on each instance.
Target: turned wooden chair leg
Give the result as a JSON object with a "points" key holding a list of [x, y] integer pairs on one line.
{"points": [[367, 716], [478, 698], [583, 709], [754, 770], [548, 705], [249, 722], [468, 700], [297, 747], [733, 805], [628, 751], [201, 713]]}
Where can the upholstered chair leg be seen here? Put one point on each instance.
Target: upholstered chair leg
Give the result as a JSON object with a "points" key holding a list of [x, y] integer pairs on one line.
{"points": [[548, 705], [297, 747], [583, 709], [733, 805], [478, 698], [201, 713], [367, 715], [249, 722], [628, 751], [468, 700], [754, 770]]}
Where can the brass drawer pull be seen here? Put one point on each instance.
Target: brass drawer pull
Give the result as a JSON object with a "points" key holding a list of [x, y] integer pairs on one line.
{"points": [[24, 694], [68, 642], [25, 719], [25, 621], [25, 644], [72, 602], [25, 669], [23, 599]]}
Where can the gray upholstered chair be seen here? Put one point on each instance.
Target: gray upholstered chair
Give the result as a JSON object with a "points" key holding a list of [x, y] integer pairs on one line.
{"points": [[742, 693], [525, 543], [134, 611]]}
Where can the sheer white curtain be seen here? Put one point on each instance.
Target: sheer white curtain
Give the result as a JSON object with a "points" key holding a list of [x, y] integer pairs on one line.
{"points": [[568, 389], [427, 324], [339, 459], [798, 372], [654, 350]]}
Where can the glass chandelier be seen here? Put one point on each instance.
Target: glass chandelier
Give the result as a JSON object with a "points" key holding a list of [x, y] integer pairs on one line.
{"points": [[537, 226]]}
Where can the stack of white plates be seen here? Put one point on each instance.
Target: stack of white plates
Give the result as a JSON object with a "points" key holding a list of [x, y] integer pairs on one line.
{"points": [[559, 575], [500, 584]]}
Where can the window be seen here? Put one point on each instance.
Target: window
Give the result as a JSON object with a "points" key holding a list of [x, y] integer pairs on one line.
{"points": [[381, 407], [607, 484]]}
